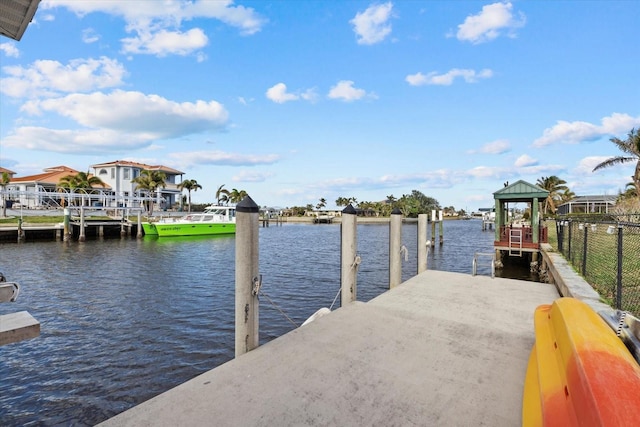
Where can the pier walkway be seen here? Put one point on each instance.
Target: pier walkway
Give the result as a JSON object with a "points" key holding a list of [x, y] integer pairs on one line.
{"points": [[442, 348]]}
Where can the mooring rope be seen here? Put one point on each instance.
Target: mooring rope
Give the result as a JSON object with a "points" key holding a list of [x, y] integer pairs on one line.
{"points": [[278, 308], [405, 251], [336, 298]]}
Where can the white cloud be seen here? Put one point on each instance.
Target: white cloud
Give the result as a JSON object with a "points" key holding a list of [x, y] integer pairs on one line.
{"points": [[490, 23], [578, 131], [372, 26], [251, 176], [47, 77], [163, 42], [223, 158], [74, 141], [158, 30], [345, 91], [278, 93], [10, 50], [433, 78], [486, 172], [135, 112], [499, 146], [525, 160], [586, 165], [90, 36]]}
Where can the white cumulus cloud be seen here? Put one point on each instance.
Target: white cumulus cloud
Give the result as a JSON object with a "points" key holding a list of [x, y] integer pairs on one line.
{"points": [[579, 131], [491, 22], [278, 93], [446, 79], [49, 78], [524, 161], [159, 30], [372, 26], [10, 50], [345, 91]]}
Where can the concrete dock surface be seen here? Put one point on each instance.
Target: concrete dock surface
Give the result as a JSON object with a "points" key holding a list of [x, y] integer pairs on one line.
{"points": [[441, 349]]}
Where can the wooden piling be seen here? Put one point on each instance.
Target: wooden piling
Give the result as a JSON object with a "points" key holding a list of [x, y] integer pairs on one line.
{"points": [[247, 277], [395, 243], [67, 228], [139, 231], [349, 259], [81, 237], [422, 242]]}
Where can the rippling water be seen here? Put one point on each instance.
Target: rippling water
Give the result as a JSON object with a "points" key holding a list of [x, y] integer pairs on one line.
{"points": [[124, 320]]}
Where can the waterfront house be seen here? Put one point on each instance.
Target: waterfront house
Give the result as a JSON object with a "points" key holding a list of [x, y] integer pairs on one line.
{"points": [[119, 174], [38, 191]]}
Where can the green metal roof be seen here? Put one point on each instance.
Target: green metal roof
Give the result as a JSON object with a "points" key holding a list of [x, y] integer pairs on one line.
{"points": [[520, 191]]}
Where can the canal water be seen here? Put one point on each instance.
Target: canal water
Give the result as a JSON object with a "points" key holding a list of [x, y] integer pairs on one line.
{"points": [[124, 320]]}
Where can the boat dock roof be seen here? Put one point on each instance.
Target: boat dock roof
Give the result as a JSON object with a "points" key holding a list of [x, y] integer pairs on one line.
{"points": [[440, 349]]}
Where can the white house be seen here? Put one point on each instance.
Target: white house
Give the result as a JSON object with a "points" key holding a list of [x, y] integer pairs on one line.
{"points": [[118, 176]]}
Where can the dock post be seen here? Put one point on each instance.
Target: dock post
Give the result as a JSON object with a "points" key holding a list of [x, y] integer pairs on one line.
{"points": [[67, 234], [433, 227], [349, 259], [247, 276], [441, 228], [422, 243], [81, 237], [21, 234], [395, 242], [139, 232]]}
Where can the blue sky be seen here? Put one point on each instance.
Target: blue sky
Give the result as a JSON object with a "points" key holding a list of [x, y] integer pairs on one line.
{"points": [[294, 101]]}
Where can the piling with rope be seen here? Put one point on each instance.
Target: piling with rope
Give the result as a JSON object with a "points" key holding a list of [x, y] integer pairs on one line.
{"points": [[247, 277], [349, 260], [395, 243]]}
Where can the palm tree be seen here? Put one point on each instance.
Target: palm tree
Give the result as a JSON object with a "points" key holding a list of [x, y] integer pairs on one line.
{"points": [[222, 194], [342, 201], [554, 186], [150, 181], [80, 181], [3, 183], [630, 192], [236, 196], [189, 185], [631, 147]]}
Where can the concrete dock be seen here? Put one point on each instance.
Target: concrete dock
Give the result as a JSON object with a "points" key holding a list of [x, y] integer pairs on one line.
{"points": [[442, 348]]}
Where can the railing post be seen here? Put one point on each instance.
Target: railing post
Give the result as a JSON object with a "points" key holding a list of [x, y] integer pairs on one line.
{"points": [[395, 243], [422, 243], [247, 277], [348, 256]]}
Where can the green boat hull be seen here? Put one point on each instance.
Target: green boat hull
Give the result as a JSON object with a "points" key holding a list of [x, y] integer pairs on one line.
{"points": [[149, 229], [193, 229]]}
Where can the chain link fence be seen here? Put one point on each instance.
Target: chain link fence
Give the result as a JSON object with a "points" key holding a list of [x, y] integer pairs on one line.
{"points": [[605, 251]]}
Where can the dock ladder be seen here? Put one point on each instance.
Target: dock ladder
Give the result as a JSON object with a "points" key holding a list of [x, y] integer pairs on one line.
{"points": [[515, 241], [483, 255]]}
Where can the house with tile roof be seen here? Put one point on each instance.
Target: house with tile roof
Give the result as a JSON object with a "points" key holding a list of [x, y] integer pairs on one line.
{"points": [[118, 175], [37, 191], [42, 190]]}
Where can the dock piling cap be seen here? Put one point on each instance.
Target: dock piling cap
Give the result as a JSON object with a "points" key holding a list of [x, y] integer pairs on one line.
{"points": [[247, 205]]}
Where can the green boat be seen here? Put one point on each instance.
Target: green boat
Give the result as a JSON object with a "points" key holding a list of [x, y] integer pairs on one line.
{"points": [[214, 220]]}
